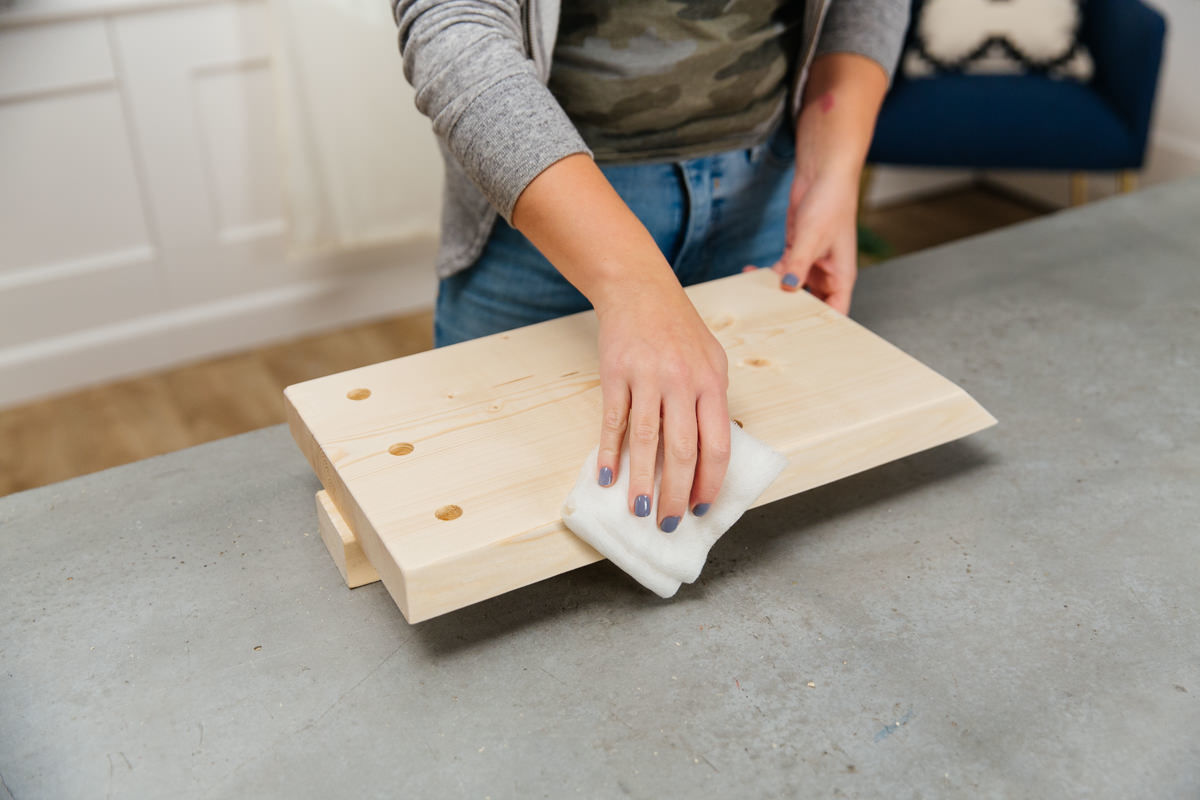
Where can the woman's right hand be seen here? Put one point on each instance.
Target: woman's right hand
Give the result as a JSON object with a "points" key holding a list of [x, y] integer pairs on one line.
{"points": [[664, 378], [662, 374]]}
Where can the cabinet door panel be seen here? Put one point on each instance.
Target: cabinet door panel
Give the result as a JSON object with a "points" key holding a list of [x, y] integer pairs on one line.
{"points": [[77, 250], [198, 81]]}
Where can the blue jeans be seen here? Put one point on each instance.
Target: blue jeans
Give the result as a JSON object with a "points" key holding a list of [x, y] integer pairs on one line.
{"points": [[710, 217]]}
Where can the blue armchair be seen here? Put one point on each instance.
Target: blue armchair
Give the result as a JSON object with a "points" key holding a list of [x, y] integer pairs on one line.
{"points": [[1032, 121]]}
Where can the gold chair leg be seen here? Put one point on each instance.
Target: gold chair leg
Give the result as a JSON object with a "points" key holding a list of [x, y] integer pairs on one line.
{"points": [[1078, 188], [1126, 181], [864, 185]]}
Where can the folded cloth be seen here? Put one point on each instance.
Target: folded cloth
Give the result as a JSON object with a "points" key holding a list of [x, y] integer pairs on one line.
{"points": [[662, 561]]}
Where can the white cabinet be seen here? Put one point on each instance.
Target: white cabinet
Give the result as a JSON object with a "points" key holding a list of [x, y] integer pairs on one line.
{"points": [[141, 217]]}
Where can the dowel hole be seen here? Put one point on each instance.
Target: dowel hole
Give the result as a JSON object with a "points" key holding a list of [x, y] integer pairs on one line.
{"points": [[358, 394], [447, 513], [400, 449]]}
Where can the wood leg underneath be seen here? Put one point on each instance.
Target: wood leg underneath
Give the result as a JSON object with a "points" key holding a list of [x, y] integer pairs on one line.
{"points": [[343, 547]]}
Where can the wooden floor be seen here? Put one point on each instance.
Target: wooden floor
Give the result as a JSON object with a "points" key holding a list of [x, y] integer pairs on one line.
{"points": [[74, 434]]}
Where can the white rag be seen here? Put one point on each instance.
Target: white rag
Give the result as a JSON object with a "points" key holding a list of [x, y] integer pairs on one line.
{"points": [[662, 561]]}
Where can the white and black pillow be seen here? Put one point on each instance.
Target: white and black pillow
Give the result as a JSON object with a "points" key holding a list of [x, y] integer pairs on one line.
{"points": [[998, 37]]}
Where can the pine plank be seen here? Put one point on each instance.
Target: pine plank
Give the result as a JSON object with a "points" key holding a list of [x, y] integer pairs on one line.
{"points": [[497, 427]]}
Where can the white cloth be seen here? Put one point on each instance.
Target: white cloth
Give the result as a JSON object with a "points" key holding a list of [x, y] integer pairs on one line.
{"points": [[662, 561]]}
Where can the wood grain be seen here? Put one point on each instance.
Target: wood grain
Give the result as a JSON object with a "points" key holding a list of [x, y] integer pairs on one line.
{"points": [[499, 426]]}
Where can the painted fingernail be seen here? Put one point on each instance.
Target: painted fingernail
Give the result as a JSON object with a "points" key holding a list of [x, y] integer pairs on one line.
{"points": [[669, 524], [700, 509], [641, 506], [791, 281], [606, 476]]}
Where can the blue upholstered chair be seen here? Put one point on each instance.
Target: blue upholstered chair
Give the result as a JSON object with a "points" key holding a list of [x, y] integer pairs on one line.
{"points": [[1032, 121]]}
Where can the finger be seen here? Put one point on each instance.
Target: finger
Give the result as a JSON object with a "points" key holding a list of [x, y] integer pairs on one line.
{"points": [[843, 264], [749, 268], [798, 259], [679, 460], [712, 416], [613, 421], [643, 449]]}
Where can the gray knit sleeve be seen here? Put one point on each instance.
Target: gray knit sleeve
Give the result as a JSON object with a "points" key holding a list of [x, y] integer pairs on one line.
{"points": [[473, 79], [871, 28]]}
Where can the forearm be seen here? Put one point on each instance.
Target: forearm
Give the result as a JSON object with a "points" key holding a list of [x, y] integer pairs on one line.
{"points": [[467, 61], [837, 117], [577, 220]]}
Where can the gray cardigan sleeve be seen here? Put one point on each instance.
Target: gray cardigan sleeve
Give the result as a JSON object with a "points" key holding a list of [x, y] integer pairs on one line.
{"points": [[466, 60], [871, 28]]}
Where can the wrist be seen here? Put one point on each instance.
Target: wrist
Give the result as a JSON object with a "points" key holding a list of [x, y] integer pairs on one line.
{"points": [[837, 118], [627, 284]]}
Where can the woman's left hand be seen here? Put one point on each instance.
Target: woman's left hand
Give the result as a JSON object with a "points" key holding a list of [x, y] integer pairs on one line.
{"points": [[821, 250], [841, 101]]}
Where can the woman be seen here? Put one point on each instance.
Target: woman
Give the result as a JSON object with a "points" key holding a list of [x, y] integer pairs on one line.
{"points": [[660, 143]]}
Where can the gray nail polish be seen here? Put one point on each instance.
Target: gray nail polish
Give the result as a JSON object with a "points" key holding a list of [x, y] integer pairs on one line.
{"points": [[669, 524], [791, 281], [701, 509], [641, 506], [605, 476]]}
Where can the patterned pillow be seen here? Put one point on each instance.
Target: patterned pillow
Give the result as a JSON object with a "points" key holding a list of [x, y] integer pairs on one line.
{"points": [[998, 37]]}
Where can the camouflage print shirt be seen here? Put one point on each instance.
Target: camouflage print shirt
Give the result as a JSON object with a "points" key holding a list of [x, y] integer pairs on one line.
{"points": [[664, 80]]}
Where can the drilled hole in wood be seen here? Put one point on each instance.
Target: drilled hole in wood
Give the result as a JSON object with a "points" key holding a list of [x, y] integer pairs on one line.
{"points": [[358, 394], [738, 422], [400, 449], [447, 513]]}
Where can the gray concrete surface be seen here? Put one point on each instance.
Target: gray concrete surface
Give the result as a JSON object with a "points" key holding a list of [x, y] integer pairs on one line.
{"points": [[1014, 615]]}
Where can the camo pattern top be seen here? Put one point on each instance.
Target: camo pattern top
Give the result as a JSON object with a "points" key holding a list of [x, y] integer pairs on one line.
{"points": [[666, 80]]}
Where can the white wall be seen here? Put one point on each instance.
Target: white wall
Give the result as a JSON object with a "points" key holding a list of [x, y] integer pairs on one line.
{"points": [[141, 217], [1174, 149]]}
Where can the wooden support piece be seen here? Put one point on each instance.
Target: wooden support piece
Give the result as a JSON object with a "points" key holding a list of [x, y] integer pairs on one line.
{"points": [[451, 466], [344, 548]]}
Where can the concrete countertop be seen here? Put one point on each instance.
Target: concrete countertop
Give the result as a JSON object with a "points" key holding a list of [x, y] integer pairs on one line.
{"points": [[1013, 615]]}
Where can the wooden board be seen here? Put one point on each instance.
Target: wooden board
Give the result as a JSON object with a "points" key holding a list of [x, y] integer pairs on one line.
{"points": [[451, 466], [343, 546]]}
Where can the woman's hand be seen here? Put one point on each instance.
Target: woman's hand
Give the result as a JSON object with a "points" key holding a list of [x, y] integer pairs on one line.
{"points": [[821, 250], [841, 101], [659, 361], [662, 374]]}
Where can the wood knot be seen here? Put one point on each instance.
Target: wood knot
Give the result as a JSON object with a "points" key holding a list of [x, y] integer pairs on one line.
{"points": [[447, 513], [757, 362], [721, 322]]}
